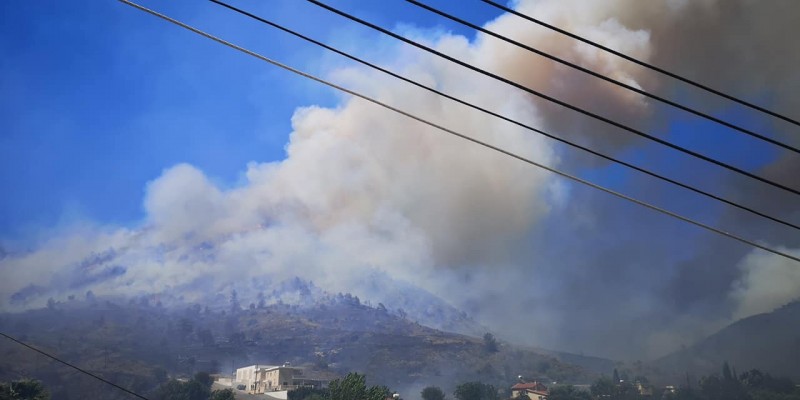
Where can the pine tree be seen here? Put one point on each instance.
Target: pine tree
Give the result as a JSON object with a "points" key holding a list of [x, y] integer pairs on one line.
{"points": [[726, 372]]}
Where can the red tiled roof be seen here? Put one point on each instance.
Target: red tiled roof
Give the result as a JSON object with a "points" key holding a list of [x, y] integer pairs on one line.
{"points": [[530, 385]]}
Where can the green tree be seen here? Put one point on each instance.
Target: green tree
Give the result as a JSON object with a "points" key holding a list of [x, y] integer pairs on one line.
{"points": [[378, 393], [490, 343], [568, 392], [715, 388], [354, 387], [204, 378], [711, 386], [432, 393], [753, 379], [475, 391], [171, 390], [726, 372], [24, 389], [603, 387], [626, 391], [224, 394], [307, 393]]}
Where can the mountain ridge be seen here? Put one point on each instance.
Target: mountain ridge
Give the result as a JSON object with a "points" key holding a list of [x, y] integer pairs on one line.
{"points": [[133, 339], [768, 341]]}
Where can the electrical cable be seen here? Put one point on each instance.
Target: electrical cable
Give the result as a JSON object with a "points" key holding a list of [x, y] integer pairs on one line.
{"points": [[500, 116], [642, 63], [455, 133], [604, 77], [79, 369], [553, 99]]}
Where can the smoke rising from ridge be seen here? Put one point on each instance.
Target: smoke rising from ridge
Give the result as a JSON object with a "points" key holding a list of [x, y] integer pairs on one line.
{"points": [[363, 189]]}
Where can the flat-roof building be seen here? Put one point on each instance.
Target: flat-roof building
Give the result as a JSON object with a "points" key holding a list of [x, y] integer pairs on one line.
{"points": [[269, 378]]}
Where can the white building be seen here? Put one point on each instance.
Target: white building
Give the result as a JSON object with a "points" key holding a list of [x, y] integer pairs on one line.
{"points": [[269, 378]]}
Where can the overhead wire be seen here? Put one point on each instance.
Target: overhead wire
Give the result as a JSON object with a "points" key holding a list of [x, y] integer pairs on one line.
{"points": [[553, 99], [73, 366], [500, 116], [643, 63], [458, 134], [603, 77]]}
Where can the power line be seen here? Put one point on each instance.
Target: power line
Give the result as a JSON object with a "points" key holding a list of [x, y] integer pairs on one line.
{"points": [[73, 366], [642, 63], [604, 77], [553, 99], [500, 116], [457, 134]]}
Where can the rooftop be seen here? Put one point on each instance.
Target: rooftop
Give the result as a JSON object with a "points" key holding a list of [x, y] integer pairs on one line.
{"points": [[529, 386]]}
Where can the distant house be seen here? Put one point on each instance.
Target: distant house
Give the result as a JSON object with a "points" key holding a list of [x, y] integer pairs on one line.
{"points": [[260, 379], [534, 390]]}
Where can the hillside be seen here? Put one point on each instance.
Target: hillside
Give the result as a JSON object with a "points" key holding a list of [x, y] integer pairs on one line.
{"points": [[132, 341], [769, 342]]}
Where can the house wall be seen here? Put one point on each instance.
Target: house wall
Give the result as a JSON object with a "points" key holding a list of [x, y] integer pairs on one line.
{"points": [[265, 379], [278, 379], [246, 376], [532, 394], [268, 379]]}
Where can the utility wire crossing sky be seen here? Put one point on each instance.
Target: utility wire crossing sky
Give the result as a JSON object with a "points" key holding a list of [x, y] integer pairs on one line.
{"points": [[605, 78], [461, 135], [642, 63], [505, 118], [557, 101]]}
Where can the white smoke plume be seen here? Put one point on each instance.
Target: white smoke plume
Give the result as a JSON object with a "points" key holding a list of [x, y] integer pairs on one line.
{"points": [[767, 282], [360, 188]]}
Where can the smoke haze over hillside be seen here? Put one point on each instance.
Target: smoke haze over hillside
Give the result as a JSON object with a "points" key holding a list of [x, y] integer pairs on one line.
{"points": [[533, 257]]}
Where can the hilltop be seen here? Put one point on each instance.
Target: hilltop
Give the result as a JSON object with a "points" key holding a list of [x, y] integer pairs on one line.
{"points": [[769, 342], [136, 342]]}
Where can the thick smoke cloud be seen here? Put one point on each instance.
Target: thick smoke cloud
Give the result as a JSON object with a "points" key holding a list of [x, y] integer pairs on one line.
{"points": [[766, 283], [538, 260], [361, 189]]}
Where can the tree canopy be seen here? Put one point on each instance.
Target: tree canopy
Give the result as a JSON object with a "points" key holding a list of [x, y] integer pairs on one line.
{"points": [[432, 393], [197, 388], [354, 387], [475, 391], [224, 394], [568, 392], [24, 389]]}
